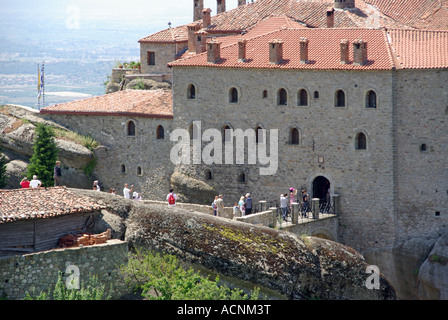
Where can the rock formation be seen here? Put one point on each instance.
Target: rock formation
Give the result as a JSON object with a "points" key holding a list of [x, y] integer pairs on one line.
{"points": [[17, 124], [296, 267]]}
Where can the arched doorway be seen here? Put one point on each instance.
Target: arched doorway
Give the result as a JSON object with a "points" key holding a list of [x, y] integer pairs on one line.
{"points": [[321, 186]]}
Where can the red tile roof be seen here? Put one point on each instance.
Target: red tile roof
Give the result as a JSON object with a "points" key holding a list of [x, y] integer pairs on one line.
{"points": [[41, 203], [324, 50], [137, 103], [420, 49], [421, 14]]}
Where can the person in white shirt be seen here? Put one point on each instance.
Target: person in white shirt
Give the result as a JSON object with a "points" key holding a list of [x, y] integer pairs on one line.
{"points": [[127, 191], [284, 205], [171, 198], [96, 186], [35, 183]]}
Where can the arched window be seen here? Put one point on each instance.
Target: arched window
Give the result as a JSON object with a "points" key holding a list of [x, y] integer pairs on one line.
{"points": [[282, 97], [194, 132], [361, 141], [208, 175], [340, 99], [294, 136], [226, 133], [316, 94], [131, 128], [371, 99], [302, 98], [160, 132], [259, 134], [139, 171], [242, 177], [191, 94], [233, 95], [123, 168], [265, 93]]}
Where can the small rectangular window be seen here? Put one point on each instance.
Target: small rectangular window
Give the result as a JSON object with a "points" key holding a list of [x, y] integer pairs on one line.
{"points": [[151, 58]]}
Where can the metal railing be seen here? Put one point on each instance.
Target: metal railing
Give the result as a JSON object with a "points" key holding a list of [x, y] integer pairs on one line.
{"points": [[304, 210]]}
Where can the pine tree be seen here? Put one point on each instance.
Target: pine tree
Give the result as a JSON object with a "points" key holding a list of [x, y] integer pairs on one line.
{"points": [[2, 169], [44, 157]]}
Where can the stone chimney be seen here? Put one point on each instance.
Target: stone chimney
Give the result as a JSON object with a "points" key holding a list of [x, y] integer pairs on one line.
{"points": [[192, 29], [213, 51], [303, 50], [198, 6], [242, 50], [206, 17], [344, 4], [241, 3], [275, 51], [201, 41], [344, 51], [359, 52], [330, 18], [221, 6]]}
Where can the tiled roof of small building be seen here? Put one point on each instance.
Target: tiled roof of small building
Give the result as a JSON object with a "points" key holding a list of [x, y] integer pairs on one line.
{"points": [[142, 103], [323, 50], [42, 203], [421, 14]]}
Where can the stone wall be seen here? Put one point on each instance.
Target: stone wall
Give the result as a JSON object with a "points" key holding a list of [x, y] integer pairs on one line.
{"points": [[164, 53], [422, 175], [39, 271], [363, 178], [142, 151]]}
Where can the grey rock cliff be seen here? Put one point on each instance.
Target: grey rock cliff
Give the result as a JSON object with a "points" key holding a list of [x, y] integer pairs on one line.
{"points": [[299, 268]]}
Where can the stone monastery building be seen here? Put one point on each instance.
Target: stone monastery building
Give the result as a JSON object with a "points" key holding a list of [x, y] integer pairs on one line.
{"points": [[357, 91]]}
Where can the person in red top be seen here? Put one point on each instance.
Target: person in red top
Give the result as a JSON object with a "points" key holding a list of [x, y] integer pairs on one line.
{"points": [[25, 183]]}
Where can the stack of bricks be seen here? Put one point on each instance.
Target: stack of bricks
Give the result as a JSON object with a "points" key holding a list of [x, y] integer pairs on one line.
{"points": [[84, 239]]}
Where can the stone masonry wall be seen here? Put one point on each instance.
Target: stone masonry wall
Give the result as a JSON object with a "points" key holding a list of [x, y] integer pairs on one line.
{"points": [[362, 178], [164, 53], [422, 174], [143, 150], [39, 271]]}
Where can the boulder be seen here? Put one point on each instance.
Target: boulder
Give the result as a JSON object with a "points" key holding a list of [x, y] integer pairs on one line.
{"points": [[433, 273], [296, 267], [17, 128], [192, 190]]}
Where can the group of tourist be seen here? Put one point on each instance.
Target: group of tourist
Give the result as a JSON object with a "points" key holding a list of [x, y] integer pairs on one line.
{"points": [[241, 208], [286, 206], [128, 191], [35, 183]]}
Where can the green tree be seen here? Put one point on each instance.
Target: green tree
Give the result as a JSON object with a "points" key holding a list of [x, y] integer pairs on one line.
{"points": [[2, 169], [162, 277], [44, 156]]}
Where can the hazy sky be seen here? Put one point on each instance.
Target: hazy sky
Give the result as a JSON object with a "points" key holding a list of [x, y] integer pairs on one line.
{"points": [[76, 12]]}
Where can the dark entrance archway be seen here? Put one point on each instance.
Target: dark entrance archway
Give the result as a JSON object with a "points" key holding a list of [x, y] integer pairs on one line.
{"points": [[321, 186]]}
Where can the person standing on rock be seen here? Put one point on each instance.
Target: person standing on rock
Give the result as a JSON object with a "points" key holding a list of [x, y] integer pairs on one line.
{"points": [[219, 206], [248, 204], [171, 197], [127, 191], [35, 183], [57, 176], [25, 183]]}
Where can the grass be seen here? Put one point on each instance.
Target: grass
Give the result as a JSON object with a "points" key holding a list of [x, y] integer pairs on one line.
{"points": [[86, 141]]}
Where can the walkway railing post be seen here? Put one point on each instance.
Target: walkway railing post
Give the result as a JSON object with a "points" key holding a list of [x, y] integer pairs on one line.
{"points": [[315, 208], [274, 216], [335, 204], [295, 212], [263, 205]]}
